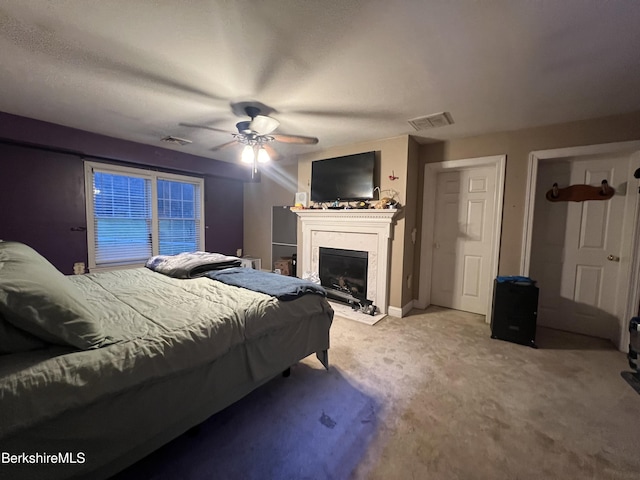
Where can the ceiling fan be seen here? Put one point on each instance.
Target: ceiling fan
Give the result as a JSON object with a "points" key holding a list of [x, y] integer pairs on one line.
{"points": [[257, 135]]}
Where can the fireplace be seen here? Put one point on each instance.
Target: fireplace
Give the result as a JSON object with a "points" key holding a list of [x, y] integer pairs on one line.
{"points": [[343, 273], [367, 230]]}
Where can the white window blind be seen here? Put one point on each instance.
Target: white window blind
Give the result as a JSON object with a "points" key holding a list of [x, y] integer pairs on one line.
{"points": [[134, 214], [122, 218], [178, 217]]}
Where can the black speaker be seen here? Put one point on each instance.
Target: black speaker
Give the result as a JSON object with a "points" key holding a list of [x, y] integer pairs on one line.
{"points": [[515, 311]]}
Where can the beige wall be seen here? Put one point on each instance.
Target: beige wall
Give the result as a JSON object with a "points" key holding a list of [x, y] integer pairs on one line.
{"points": [[517, 145], [406, 159], [277, 186], [413, 222], [393, 158]]}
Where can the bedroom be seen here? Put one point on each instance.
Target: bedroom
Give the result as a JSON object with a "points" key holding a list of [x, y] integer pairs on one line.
{"points": [[498, 108]]}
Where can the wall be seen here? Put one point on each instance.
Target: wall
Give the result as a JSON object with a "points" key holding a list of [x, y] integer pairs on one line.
{"points": [[223, 215], [277, 186], [42, 189], [406, 158], [413, 223], [42, 198], [394, 157], [517, 145], [80, 142]]}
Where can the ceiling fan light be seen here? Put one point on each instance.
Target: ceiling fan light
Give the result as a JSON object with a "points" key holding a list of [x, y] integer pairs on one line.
{"points": [[247, 154], [263, 156], [264, 125]]}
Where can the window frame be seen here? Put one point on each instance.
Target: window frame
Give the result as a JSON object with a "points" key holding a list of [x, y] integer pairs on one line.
{"points": [[153, 176]]}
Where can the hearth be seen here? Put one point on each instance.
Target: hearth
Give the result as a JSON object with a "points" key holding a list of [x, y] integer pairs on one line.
{"points": [[343, 273]]}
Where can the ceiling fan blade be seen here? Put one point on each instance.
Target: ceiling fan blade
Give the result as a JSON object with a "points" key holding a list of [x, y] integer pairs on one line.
{"points": [[224, 145], [299, 139], [263, 124], [195, 125]]}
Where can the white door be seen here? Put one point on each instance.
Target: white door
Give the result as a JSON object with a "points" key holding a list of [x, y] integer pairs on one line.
{"points": [[576, 248], [463, 239]]}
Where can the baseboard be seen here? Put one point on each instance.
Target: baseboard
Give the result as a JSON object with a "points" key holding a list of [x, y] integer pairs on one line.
{"points": [[400, 312], [420, 304]]}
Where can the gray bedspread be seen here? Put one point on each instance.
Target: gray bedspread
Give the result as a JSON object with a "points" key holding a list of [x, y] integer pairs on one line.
{"points": [[161, 326], [190, 264], [280, 286]]}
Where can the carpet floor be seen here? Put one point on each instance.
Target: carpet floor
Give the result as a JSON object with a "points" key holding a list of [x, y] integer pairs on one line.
{"points": [[428, 396]]}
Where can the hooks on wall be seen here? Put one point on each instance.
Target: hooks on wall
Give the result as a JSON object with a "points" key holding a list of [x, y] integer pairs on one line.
{"points": [[580, 193]]}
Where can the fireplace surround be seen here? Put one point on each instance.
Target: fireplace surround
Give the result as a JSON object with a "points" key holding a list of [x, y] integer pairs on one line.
{"points": [[366, 230]]}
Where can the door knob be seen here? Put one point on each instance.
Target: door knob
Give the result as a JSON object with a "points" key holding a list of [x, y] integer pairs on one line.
{"points": [[613, 258]]}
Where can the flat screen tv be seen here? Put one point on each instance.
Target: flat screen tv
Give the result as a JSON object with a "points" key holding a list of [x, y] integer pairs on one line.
{"points": [[343, 178]]}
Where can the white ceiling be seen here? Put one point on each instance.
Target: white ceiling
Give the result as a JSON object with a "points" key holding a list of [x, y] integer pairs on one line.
{"points": [[344, 71]]}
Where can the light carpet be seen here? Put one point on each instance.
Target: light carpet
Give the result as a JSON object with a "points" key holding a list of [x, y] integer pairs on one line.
{"points": [[428, 396]]}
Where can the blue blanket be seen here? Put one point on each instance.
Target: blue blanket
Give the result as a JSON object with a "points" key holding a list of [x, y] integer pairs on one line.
{"points": [[515, 279], [279, 286]]}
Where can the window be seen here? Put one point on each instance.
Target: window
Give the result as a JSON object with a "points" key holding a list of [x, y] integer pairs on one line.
{"points": [[134, 214]]}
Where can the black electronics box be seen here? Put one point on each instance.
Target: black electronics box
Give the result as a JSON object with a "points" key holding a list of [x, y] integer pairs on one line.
{"points": [[515, 311], [634, 342]]}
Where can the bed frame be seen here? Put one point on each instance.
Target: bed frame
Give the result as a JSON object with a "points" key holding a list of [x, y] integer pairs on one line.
{"points": [[164, 410]]}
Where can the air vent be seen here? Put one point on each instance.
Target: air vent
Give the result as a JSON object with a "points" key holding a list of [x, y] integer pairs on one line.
{"points": [[431, 121], [176, 140]]}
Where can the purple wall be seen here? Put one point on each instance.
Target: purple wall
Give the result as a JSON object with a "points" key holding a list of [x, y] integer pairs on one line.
{"points": [[42, 198], [223, 215], [29, 131]]}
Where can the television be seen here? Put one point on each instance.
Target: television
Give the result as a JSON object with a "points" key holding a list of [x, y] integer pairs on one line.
{"points": [[343, 178]]}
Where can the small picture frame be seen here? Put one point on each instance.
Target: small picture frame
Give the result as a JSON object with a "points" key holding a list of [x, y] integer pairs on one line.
{"points": [[301, 199]]}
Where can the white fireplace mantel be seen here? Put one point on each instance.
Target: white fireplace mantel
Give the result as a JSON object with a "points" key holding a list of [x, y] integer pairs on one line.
{"points": [[368, 229]]}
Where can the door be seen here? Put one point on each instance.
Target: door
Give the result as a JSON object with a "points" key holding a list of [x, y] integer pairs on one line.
{"points": [[576, 247], [463, 239]]}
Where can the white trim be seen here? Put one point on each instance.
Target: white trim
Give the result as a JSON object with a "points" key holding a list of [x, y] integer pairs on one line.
{"points": [[527, 230], [367, 221], [401, 312], [633, 147], [116, 267], [630, 234], [155, 225], [431, 172], [532, 179], [633, 303], [153, 176]]}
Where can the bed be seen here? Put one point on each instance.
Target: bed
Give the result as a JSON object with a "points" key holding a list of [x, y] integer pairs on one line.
{"points": [[99, 370]]}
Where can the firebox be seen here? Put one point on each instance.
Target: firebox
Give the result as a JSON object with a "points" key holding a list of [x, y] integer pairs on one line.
{"points": [[343, 273]]}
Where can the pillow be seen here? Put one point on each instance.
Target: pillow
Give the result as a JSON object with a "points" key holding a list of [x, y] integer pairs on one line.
{"points": [[37, 298], [14, 340]]}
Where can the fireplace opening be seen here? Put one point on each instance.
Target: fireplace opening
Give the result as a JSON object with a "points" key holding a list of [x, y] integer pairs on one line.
{"points": [[343, 273]]}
